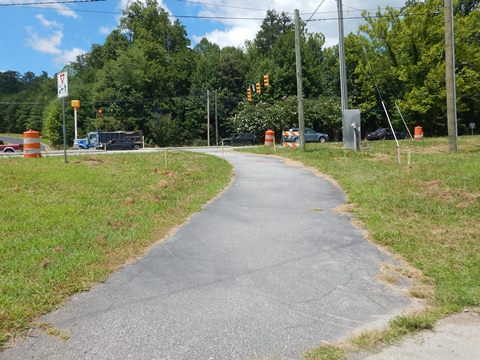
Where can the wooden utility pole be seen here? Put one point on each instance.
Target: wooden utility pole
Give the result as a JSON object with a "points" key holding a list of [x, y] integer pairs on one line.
{"points": [[208, 117], [216, 119], [450, 77], [341, 58], [298, 57]]}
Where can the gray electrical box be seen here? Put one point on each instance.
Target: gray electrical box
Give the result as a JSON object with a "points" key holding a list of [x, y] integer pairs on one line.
{"points": [[351, 124]]}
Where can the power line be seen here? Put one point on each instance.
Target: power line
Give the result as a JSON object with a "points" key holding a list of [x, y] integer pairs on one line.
{"points": [[206, 17], [211, 17], [50, 2], [318, 7], [352, 9], [221, 5]]}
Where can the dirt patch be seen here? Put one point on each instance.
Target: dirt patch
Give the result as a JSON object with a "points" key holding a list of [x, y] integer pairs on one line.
{"points": [[89, 161], [162, 184], [422, 291], [129, 201], [52, 331], [345, 209], [430, 149], [460, 198]]}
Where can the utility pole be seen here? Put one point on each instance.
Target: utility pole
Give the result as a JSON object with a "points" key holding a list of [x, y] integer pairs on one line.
{"points": [[216, 120], [450, 77], [341, 58], [298, 58], [208, 117]]}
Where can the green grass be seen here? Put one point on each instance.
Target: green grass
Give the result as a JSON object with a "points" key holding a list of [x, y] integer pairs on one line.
{"points": [[328, 352], [66, 226], [429, 213]]}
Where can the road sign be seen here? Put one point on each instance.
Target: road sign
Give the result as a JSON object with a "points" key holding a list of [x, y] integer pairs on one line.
{"points": [[62, 84], [472, 125]]}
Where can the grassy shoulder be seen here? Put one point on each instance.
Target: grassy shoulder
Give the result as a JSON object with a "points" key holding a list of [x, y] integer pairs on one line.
{"points": [[66, 226], [428, 213]]}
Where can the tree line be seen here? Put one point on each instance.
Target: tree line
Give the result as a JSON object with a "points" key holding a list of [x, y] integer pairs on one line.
{"points": [[147, 76]]}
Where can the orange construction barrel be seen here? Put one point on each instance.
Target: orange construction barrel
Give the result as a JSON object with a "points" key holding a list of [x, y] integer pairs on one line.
{"points": [[418, 133], [31, 144], [269, 137]]}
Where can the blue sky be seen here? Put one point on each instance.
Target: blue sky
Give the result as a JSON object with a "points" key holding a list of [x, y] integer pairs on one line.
{"points": [[37, 39]]}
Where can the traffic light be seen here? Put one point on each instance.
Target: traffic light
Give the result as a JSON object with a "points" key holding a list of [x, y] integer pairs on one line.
{"points": [[249, 94], [266, 82], [257, 86]]}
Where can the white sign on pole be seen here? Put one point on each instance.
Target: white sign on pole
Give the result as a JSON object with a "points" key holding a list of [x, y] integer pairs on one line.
{"points": [[62, 84]]}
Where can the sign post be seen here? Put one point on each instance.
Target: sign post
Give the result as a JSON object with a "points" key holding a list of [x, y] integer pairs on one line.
{"points": [[62, 90], [472, 126], [75, 105]]}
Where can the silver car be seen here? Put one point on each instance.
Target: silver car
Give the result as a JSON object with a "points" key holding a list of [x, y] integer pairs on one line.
{"points": [[310, 136]]}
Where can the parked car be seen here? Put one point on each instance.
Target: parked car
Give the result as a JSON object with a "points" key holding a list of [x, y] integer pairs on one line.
{"points": [[240, 139], [310, 136], [385, 134], [117, 144]]}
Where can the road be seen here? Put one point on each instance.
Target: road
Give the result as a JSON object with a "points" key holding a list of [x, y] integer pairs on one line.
{"points": [[268, 269], [14, 140]]}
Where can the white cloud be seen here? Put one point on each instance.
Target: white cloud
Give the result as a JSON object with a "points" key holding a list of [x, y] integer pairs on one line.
{"points": [[104, 30], [48, 23], [67, 56], [62, 9], [238, 31], [161, 3], [49, 44], [235, 36]]}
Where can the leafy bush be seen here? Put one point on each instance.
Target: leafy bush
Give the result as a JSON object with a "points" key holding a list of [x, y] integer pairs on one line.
{"points": [[321, 114]]}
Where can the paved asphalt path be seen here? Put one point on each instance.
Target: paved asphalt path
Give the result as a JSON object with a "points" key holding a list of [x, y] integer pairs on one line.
{"points": [[266, 270]]}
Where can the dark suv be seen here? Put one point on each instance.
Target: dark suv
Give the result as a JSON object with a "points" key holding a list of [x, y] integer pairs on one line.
{"points": [[240, 139], [117, 144], [385, 134]]}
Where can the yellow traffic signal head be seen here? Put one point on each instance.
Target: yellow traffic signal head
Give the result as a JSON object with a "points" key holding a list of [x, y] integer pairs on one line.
{"points": [[266, 81], [257, 86], [249, 94]]}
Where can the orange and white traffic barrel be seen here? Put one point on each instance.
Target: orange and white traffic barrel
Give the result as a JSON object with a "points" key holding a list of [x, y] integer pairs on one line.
{"points": [[269, 137], [31, 144], [418, 133], [290, 145], [287, 136]]}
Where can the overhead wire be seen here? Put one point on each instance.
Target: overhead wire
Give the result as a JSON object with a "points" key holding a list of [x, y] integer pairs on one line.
{"points": [[49, 2], [128, 101], [318, 7], [206, 17], [383, 103], [40, 4], [221, 5]]}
